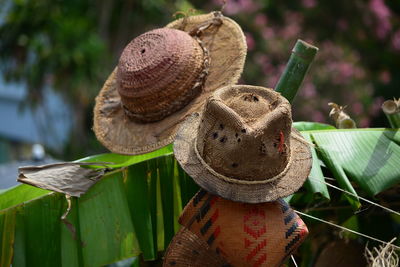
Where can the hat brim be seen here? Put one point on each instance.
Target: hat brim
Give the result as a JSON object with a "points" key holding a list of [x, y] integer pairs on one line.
{"points": [[227, 49], [249, 193], [186, 249]]}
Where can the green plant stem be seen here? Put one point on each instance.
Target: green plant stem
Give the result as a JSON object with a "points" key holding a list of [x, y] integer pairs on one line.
{"points": [[394, 119], [296, 69], [392, 111]]}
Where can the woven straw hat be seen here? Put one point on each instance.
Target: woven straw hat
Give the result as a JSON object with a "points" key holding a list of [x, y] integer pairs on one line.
{"points": [[243, 146], [163, 76], [187, 249], [241, 234]]}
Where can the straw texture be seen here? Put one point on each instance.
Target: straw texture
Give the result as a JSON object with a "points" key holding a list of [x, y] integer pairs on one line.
{"points": [[186, 249], [243, 234], [166, 85], [157, 72], [242, 147]]}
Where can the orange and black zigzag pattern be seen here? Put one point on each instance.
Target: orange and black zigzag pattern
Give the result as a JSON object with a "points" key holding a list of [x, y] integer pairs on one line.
{"points": [[296, 229]]}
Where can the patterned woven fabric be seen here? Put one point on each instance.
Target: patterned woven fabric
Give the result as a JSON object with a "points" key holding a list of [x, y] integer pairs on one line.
{"points": [[243, 234]]}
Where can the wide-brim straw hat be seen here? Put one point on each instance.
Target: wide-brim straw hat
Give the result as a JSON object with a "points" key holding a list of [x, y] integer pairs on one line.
{"points": [[242, 147], [241, 234], [144, 120]]}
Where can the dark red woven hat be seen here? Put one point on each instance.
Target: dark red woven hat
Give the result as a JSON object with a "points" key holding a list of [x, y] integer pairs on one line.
{"points": [[163, 76]]}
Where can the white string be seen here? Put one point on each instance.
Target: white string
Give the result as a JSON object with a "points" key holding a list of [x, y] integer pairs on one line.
{"points": [[352, 194], [294, 261], [344, 228], [347, 229]]}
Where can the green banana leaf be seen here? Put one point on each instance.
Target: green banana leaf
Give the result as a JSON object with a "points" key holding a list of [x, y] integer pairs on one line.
{"points": [[368, 157], [118, 161], [134, 209]]}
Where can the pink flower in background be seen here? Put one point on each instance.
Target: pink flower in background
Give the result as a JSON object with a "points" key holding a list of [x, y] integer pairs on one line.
{"points": [[376, 106], [385, 77], [396, 41], [346, 70], [267, 68], [357, 108], [309, 3], [265, 64], [268, 33], [338, 72], [379, 8], [364, 123], [382, 14], [292, 26], [260, 20], [293, 17], [308, 90], [273, 79], [233, 7], [260, 58], [248, 5], [317, 116], [281, 67], [383, 29], [291, 31], [250, 41], [333, 68]]}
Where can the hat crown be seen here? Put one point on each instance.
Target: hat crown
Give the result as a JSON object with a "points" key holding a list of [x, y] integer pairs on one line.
{"points": [[245, 134], [157, 72]]}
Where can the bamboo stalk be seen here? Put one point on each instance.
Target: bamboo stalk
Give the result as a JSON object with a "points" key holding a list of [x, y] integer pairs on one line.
{"points": [[391, 108], [341, 118], [296, 69]]}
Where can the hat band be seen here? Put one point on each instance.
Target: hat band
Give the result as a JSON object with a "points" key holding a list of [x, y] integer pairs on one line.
{"points": [[188, 96], [238, 181]]}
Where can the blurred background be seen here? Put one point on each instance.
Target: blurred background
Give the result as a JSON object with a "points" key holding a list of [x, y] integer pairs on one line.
{"points": [[55, 56]]}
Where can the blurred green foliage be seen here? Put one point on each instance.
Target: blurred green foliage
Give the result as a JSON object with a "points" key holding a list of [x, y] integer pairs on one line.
{"points": [[72, 46]]}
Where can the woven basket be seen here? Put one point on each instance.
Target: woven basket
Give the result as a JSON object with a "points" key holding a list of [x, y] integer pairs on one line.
{"points": [[186, 249], [241, 234]]}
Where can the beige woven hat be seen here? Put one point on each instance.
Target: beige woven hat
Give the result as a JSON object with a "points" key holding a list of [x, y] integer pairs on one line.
{"points": [[243, 146], [241, 234], [163, 76]]}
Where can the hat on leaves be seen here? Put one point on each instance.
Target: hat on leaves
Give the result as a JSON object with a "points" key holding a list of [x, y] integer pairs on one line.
{"points": [[163, 76], [221, 232], [243, 147]]}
